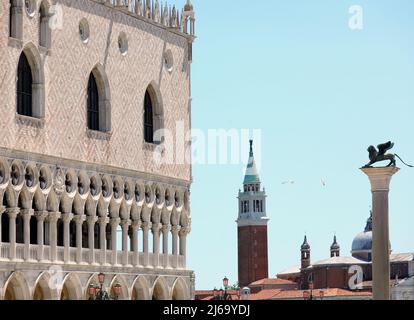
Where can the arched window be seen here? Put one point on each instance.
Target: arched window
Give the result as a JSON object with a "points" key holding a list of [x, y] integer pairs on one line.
{"points": [[44, 30], [98, 101], [148, 119], [24, 87], [93, 104]]}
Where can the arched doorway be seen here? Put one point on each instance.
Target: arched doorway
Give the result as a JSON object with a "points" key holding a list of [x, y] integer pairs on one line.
{"points": [[16, 288]]}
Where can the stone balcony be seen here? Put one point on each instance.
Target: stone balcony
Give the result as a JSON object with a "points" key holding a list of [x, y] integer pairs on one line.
{"points": [[35, 254]]}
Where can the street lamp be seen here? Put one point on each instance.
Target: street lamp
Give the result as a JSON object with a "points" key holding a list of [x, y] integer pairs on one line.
{"points": [[98, 293], [226, 296], [222, 294]]}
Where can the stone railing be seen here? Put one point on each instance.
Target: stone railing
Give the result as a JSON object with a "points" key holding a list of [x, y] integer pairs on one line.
{"points": [[149, 260]]}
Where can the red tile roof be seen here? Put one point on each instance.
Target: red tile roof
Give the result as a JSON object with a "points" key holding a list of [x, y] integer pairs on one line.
{"points": [[272, 281], [280, 294]]}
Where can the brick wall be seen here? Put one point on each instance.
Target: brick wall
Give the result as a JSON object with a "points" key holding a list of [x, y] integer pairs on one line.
{"points": [[252, 254]]}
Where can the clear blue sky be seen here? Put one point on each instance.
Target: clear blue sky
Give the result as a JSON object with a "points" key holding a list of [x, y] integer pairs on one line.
{"points": [[320, 93]]}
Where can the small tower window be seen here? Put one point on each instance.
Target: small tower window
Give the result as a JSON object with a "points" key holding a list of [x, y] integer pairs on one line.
{"points": [[24, 87]]}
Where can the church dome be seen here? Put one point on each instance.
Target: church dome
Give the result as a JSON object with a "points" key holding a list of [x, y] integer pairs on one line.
{"points": [[362, 243]]}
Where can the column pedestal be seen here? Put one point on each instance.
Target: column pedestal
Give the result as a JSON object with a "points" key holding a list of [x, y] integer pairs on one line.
{"points": [[380, 179]]}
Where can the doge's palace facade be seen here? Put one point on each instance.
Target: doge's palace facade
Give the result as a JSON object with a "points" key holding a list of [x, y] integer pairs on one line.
{"points": [[84, 86]]}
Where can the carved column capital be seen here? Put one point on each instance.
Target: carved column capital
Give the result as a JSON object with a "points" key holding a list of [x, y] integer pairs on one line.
{"points": [[91, 219], [27, 212], [79, 219], [103, 220], [2, 209], [176, 229], [146, 225], [166, 228], [184, 231], [67, 217], [13, 212], [41, 215], [115, 221], [155, 227], [53, 217], [136, 224], [125, 223]]}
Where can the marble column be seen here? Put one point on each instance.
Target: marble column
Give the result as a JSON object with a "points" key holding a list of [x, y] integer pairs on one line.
{"points": [[27, 214], [135, 242], [125, 226], [2, 210], [175, 230], [52, 219], [156, 227], [67, 218], [12, 212], [103, 221], [145, 228], [165, 232], [40, 216], [79, 219], [114, 226], [91, 237], [380, 179], [183, 246]]}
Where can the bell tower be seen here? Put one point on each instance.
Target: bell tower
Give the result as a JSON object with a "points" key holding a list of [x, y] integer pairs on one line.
{"points": [[252, 227]]}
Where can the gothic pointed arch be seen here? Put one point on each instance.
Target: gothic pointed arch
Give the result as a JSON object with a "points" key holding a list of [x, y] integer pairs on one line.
{"points": [[44, 288], [119, 279], [98, 100], [30, 83], [160, 289], [71, 288], [180, 290], [16, 287], [140, 289]]}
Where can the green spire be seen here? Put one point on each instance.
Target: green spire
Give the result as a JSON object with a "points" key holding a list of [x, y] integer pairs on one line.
{"points": [[252, 175]]}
